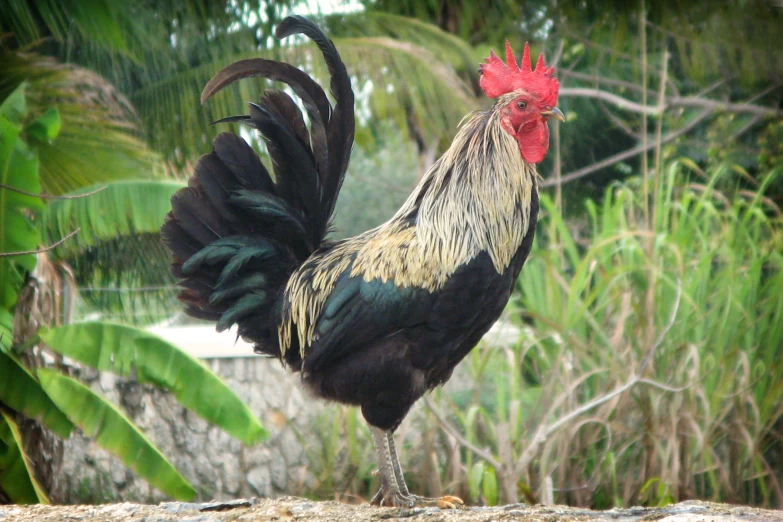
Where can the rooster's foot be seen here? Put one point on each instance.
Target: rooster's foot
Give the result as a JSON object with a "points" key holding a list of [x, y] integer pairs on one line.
{"points": [[392, 499]]}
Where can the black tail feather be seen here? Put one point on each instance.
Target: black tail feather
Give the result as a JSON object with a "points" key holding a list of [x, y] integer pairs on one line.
{"points": [[287, 111], [196, 216], [243, 162], [313, 97], [295, 169], [216, 182], [236, 233], [341, 126], [223, 252]]}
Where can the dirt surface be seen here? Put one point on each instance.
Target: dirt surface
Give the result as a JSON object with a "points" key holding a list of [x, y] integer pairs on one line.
{"points": [[290, 509]]}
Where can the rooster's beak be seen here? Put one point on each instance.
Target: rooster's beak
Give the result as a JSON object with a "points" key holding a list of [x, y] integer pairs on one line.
{"points": [[554, 113]]}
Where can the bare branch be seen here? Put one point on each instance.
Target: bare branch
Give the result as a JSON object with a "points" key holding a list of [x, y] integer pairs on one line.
{"points": [[619, 101], [763, 93], [666, 329], [715, 105], [546, 430], [664, 387], [530, 451], [620, 124], [595, 79], [708, 105], [678, 101], [630, 153], [710, 88], [558, 54], [460, 439], [565, 419], [45, 196], [41, 250], [755, 120]]}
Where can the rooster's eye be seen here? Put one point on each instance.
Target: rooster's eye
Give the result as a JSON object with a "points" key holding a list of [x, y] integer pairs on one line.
{"points": [[521, 105]]}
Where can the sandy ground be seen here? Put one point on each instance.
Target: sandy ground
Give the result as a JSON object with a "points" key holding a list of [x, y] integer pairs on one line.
{"points": [[297, 509]]}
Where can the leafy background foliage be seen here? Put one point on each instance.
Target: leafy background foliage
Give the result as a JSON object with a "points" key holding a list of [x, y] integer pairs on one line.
{"points": [[47, 395]]}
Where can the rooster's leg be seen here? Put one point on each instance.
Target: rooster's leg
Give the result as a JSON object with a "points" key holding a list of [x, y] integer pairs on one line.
{"points": [[394, 492], [390, 493], [396, 465]]}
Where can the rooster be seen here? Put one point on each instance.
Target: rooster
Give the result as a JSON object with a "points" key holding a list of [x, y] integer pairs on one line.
{"points": [[379, 319]]}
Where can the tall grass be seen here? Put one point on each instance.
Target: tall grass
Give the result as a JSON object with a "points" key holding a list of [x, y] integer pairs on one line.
{"points": [[650, 369]]}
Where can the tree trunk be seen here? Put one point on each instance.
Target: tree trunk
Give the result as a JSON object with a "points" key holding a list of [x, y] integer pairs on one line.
{"points": [[45, 300]]}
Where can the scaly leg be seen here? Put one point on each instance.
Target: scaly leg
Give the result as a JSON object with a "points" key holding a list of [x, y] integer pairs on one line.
{"points": [[390, 493], [396, 465], [394, 492]]}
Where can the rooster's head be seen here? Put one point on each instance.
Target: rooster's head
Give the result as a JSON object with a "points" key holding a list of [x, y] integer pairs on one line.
{"points": [[526, 99]]}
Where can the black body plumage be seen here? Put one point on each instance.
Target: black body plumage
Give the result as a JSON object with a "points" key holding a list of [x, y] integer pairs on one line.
{"points": [[375, 320]]}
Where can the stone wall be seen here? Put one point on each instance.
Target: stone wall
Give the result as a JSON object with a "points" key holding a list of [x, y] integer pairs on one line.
{"points": [[217, 465]]}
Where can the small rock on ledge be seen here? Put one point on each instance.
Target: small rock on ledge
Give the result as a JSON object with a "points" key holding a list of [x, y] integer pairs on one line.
{"points": [[298, 509]]}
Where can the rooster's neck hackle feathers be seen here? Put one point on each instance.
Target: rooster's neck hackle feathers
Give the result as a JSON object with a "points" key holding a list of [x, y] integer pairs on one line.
{"points": [[498, 78], [476, 197]]}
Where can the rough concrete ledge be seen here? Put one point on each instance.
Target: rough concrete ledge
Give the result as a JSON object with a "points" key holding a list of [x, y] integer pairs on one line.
{"points": [[291, 508]]}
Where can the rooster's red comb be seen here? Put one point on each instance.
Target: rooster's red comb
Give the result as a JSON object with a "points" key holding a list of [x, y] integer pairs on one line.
{"points": [[498, 78]]}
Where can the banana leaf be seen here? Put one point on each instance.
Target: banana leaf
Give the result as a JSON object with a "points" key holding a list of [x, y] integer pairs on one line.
{"points": [[113, 431], [123, 349], [20, 391], [17, 477]]}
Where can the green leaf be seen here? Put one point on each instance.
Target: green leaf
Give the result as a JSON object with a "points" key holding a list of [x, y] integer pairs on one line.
{"points": [[6, 327], [13, 107], [402, 71], [118, 247], [88, 153], [113, 431], [46, 127], [20, 391], [18, 169], [123, 349], [474, 480], [122, 208], [489, 487], [17, 476]]}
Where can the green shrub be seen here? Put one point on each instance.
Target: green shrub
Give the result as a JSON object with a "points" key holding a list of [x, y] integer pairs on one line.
{"points": [[688, 311]]}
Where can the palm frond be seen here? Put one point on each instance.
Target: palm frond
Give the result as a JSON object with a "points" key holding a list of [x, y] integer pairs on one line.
{"points": [[445, 47], [122, 208], [99, 139], [100, 20], [394, 80]]}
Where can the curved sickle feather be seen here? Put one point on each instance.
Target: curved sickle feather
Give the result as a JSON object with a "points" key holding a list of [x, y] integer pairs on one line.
{"points": [[342, 125], [231, 119], [312, 95], [304, 86]]}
